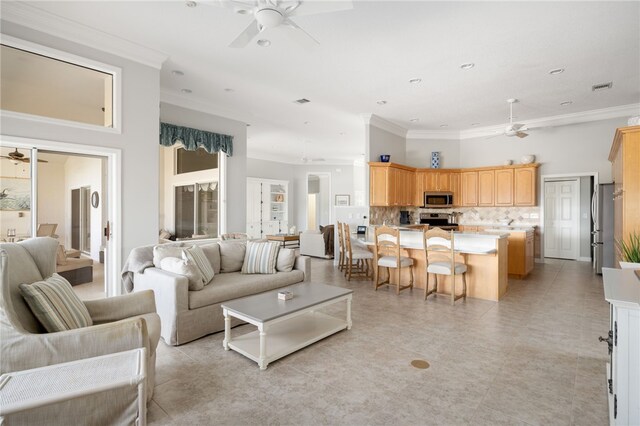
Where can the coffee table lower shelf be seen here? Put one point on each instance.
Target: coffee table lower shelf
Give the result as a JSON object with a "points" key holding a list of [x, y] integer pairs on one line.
{"points": [[287, 336]]}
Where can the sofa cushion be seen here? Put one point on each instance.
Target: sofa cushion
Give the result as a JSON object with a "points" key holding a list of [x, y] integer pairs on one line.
{"points": [[55, 304], [166, 250], [212, 251], [260, 258], [286, 260], [231, 286], [232, 255], [196, 256], [185, 268]]}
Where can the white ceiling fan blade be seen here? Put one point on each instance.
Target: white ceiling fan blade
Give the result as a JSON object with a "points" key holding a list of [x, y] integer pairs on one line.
{"points": [[316, 7], [246, 36], [291, 24], [522, 134]]}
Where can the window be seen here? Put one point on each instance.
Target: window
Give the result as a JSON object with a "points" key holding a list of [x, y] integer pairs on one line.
{"points": [[195, 161], [196, 210], [38, 81]]}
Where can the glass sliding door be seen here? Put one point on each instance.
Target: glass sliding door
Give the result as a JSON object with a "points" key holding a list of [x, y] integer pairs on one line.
{"points": [[207, 209], [184, 210]]}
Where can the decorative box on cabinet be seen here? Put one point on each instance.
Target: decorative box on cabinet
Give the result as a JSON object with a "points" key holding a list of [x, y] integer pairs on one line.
{"points": [[625, 160], [622, 291]]}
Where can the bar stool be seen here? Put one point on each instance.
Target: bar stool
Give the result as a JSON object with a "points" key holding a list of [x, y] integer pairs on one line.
{"points": [[341, 262], [440, 259], [387, 255], [357, 259]]}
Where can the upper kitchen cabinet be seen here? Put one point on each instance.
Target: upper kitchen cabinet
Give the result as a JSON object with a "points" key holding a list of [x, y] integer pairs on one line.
{"points": [[469, 188], [485, 187], [391, 185], [625, 160], [504, 187], [525, 180]]}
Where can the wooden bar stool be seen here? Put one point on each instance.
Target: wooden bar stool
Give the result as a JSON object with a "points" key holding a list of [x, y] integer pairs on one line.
{"points": [[440, 258], [357, 259], [341, 248], [387, 255]]}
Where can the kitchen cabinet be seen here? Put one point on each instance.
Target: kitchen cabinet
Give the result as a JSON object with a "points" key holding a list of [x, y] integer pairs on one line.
{"points": [[455, 188], [485, 187], [520, 257], [625, 161], [524, 186], [504, 187], [391, 185], [469, 188]]}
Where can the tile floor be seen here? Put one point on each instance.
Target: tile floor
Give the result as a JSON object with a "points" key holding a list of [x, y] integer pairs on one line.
{"points": [[531, 359]]}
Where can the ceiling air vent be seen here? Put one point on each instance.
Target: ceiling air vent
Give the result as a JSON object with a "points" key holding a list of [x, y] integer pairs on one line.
{"points": [[302, 101], [602, 86]]}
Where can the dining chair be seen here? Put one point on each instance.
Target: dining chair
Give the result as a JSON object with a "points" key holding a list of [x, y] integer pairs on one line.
{"points": [[357, 257], [440, 259], [341, 259], [387, 254]]}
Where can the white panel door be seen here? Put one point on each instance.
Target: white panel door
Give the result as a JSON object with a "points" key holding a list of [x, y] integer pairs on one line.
{"points": [[562, 219]]}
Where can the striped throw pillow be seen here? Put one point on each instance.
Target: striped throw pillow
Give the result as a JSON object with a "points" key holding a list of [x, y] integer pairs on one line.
{"points": [[54, 303], [196, 255], [260, 258]]}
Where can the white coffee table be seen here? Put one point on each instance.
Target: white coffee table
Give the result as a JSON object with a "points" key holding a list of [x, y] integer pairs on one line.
{"points": [[284, 326]]}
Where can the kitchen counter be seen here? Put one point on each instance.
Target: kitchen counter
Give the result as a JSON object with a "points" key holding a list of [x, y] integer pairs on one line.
{"points": [[464, 242], [497, 225]]}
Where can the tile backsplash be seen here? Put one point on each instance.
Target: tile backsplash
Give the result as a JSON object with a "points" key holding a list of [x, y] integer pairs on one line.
{"points": [[529, 216]]}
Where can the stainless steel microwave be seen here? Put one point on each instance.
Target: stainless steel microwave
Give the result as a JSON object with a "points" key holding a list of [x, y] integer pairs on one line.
{"points": [[438, 199]]}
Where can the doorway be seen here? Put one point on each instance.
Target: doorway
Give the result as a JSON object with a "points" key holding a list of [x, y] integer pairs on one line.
{"points": [[562, 219], [318, 200]]}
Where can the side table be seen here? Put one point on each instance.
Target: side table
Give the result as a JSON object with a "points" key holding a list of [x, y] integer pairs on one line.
{"points": [[109, 389]]}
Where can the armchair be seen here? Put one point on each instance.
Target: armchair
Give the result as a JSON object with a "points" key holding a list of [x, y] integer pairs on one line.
{"points": [[120, 323]]}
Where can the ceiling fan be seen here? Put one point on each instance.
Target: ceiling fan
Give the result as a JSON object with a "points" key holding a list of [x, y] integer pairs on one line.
{"points": [[515, 129], [275, 13], [17, 157]]}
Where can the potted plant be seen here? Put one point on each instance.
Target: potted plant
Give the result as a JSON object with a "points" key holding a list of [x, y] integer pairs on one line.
{"points": [[631, 252]]}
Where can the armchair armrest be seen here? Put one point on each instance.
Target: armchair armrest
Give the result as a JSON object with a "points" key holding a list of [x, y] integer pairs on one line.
{"points": [[120, 307], [303, 263], [171, 296], [24, 351]]}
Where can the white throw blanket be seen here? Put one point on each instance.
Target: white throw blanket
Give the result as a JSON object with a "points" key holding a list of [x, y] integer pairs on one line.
{"points": [[139, 259]]}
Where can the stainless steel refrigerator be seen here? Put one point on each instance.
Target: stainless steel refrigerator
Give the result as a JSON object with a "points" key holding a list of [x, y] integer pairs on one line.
{"points": [[602, 216]]}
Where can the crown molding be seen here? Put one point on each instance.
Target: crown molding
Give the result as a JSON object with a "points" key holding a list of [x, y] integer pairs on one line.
{"points": [[189, 102], [556, 120], [384, 124], [293, 161], [40, 20]]}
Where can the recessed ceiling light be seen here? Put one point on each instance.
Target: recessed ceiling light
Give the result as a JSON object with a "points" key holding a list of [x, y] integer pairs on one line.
{"points": [[306, 122], [444, 125], [228, 89], [566, 103], [475, 124], [263, 42], [177, 73], [556, 71], [381, 102], [414, 120], [242, 11], [415, 80], [186, 90], [191, 4], [467, 66]]}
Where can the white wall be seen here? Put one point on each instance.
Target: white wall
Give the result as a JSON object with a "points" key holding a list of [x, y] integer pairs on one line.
{"points": [[384, 142], [572, 148], [236, 175], [79, 172], [51, 197], [138, 140], [419, 153]]}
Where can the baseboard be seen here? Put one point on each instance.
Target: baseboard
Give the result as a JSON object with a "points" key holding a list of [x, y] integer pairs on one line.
{"points": [[584, 259]]}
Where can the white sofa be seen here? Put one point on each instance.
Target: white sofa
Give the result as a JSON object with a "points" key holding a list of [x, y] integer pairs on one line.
{"points": [[188, 315]]}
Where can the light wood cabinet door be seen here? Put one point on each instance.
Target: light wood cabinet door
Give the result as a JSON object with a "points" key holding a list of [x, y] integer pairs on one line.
{"points": [[379, 186], [410, 182], [431, 181], [504, 187], [418, 189], [444, 181], [486, 187], [469, 188], [524, 186], [394, 186], [455, 189]]}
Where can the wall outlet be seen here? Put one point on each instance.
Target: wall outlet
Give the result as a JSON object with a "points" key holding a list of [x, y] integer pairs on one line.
{"points": [[534, 216]]}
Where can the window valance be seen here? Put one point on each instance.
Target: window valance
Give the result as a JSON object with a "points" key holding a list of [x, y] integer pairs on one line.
{"points": [[192, 139]]}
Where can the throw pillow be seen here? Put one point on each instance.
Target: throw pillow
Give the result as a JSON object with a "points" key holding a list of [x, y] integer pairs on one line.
{"points": [[166, 250], [232, 255], [195, 255], [286, 260], [55, 304], [212, 251], [61, 256], [260, 258], [185, 268]]}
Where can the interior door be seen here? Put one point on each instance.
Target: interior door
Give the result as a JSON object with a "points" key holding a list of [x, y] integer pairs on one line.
{"points": [[562, 219], [75, 219]]}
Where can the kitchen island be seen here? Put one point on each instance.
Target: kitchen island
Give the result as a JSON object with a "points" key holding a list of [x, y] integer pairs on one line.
{"points": [[486, 256]]}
